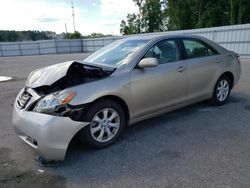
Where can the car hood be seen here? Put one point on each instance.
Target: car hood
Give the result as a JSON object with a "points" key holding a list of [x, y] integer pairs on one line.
{"points": [[47, 76]]}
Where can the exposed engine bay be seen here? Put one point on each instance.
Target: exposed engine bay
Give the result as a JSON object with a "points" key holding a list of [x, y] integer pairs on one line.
{"points": [[48, 83], [77, 73]]}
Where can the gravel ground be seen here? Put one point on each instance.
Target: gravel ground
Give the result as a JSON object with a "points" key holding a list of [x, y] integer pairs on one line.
{"points": [[197, 146]]}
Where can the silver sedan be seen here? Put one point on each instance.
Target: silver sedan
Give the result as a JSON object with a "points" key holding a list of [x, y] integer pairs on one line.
{"points": [[125, 82]]}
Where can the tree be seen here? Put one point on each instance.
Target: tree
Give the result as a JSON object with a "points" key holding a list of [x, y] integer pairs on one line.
{"points": [[96, 35], [152, 16], [124, 30], [161, 15], [75, 35], [139, 3], [179, 14], [189, 14], [131, 26], [12, 36], [78, 35], [149, 19], [216, 13], [239, 11]]}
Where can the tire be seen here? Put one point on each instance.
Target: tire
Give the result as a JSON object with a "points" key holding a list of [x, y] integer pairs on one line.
{"points": [[96, 134], [221, 91]]}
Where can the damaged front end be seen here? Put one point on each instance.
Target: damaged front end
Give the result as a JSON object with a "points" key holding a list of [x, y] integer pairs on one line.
{"points": [[64, 75], [49, 84]]}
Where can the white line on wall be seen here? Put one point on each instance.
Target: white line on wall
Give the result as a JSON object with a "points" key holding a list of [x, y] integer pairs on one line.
{"points": [[5, 78]]}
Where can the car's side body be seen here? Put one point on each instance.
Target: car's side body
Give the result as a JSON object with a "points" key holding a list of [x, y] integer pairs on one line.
{"points": [[142, 93], [157, 90]]}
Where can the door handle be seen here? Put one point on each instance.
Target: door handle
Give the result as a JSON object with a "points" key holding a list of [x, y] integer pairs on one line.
{"points": [[181, 69]]}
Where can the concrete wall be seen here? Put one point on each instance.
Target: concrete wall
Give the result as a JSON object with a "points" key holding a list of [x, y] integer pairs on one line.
{"points": [[235, 38]]}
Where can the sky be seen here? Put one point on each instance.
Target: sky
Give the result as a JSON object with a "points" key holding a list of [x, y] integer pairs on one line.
{"points": [[102, 16]]}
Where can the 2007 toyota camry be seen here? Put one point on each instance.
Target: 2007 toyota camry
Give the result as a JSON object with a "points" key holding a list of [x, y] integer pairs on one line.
{"points": [[125, 82]]}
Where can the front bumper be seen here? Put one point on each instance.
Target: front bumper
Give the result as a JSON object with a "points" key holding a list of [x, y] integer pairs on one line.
{"points": [[47, 134]]}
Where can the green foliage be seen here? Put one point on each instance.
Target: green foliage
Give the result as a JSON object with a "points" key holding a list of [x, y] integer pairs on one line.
{"points": [[152, 16], [12, 36], [131, 26], [162, 15], [180, 14], [188, 14], [239, 11], [78, 35], [96, 35], [216, 13], [149, 19], [75, 35]]}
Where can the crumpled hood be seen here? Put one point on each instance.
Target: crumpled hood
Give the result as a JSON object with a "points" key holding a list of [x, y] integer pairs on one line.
{"points": [[48, 75], [70, 73]]}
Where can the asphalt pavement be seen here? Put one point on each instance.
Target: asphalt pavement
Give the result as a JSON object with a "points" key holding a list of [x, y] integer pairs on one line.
{"points": [[197, 146]]}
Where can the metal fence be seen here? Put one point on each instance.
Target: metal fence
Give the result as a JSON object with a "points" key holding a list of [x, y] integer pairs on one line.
{"points": [[235, 38], [40, 47]]}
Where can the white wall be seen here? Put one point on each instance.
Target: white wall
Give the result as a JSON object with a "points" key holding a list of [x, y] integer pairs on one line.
{"points": [[235, 38]]}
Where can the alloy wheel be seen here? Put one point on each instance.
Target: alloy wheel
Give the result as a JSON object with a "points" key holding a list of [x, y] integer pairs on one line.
{"points": [[222, 90], [105, 125]]}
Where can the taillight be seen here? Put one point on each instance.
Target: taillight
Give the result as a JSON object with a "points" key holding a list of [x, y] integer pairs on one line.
{"points": [[238, 59]]}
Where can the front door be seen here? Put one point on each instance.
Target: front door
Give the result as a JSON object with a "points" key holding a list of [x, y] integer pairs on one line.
{"points": [[159, 87]]}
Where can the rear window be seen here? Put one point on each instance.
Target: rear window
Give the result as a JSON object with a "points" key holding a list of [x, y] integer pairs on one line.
{"points": [[196, 48]]}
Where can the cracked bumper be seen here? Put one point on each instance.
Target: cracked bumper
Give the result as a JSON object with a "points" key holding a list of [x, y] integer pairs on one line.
{"points": [[48, 135]]}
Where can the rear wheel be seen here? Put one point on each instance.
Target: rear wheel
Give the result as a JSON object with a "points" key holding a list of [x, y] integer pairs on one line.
{"points": [[107, 121], [222, 90]]}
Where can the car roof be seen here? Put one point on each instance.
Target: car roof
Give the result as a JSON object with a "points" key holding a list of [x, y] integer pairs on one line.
{"points": [[164, 35], [152, 36]]}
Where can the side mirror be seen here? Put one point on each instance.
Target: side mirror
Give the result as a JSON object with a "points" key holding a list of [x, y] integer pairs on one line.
{"points": [[148, 62]]}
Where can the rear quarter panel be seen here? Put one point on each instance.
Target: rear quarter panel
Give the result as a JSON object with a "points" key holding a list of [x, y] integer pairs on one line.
{"points": [[230, 64]]}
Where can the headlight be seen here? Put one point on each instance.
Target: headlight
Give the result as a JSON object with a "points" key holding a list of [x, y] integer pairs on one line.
{"points": [[50, 103]]}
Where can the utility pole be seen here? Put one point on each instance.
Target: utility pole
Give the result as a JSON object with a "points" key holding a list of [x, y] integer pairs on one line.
{"points": [[73, 15], [66, 30]]}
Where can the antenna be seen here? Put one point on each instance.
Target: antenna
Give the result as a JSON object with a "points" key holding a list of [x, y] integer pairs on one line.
{"points": [[73, 15]]}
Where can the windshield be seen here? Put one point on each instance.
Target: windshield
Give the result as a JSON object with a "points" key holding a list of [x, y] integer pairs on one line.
{"points": [[116, 53]]}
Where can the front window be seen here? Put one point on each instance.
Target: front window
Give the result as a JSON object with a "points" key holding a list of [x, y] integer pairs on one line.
{"points": [[165, 51], [116, 53]]}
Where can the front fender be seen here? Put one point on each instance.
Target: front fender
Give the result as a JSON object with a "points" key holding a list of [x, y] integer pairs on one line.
{"points": [[115, 85]]}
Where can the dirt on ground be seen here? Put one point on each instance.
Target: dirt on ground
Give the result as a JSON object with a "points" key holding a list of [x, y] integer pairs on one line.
{"points": [[12, 176]]}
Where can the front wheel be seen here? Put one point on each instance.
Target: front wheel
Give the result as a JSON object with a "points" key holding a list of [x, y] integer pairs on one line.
{"points": [[221, 91], [107, 121]]}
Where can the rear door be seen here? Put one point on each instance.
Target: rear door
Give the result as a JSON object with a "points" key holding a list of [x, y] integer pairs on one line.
{"points": [[159, 87], [202, 67]]}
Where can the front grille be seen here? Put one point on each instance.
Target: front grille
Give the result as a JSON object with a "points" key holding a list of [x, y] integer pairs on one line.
{"points": [[23, 99]]}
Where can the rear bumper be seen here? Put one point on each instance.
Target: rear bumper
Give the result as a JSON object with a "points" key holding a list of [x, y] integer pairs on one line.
{"points": [[48, 135]]}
